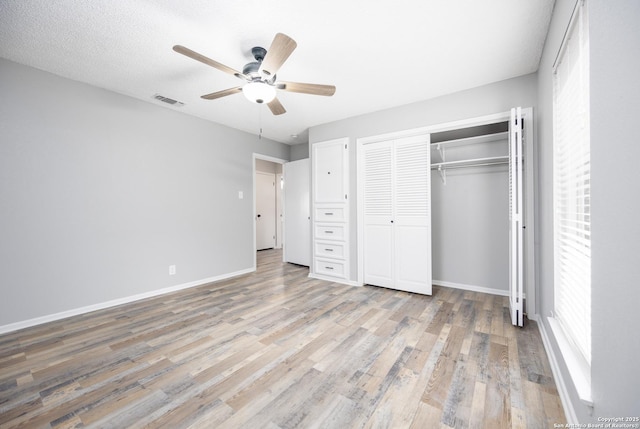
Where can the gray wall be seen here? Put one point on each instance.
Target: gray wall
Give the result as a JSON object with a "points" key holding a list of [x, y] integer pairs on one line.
{"points": [[615, 151], [268, 166], [100, 193], [498, 97], [299, 151]]}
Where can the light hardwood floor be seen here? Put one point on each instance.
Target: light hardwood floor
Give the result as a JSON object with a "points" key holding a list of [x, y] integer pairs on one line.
{"points": [[275, 349]]}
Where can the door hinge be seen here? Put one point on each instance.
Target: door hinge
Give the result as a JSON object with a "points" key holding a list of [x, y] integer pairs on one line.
{"points": [[345, 196]]}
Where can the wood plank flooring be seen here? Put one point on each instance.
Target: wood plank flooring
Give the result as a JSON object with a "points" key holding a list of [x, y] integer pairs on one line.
{"points": [[275, 349]]}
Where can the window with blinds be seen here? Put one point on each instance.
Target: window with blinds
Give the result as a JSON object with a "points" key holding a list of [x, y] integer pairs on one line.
{"points": [[572, 185]]}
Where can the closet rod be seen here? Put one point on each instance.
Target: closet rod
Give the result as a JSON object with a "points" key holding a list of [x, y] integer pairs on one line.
{"points": [[450, 167], [442, 167], [477, 161]]}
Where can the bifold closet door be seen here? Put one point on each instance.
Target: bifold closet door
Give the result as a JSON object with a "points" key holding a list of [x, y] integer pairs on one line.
{"points": [[516, 217], [412, 218], [378, 214], [397, 214]]}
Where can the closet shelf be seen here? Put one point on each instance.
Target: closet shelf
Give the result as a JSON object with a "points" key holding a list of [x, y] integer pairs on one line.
{"points": [[476, 162], [486, 138]]}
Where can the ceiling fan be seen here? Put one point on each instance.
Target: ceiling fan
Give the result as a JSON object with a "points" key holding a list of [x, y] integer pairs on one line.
{"points": [[260, 75]]}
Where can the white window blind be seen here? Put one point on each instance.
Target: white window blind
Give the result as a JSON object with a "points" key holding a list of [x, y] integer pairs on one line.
{"points": [[572, 184]]}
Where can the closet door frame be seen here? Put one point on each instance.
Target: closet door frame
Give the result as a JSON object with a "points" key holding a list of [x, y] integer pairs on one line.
{"points": [[529, 191]]}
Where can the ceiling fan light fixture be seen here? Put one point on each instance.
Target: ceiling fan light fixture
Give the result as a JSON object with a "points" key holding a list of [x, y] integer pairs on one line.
{"points": [[259, 92]]}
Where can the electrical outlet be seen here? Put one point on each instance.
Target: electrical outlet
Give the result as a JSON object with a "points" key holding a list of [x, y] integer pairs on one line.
{"points": [[240, 195], [172, 270]]}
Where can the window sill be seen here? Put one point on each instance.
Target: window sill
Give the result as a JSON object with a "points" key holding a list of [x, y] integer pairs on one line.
{"points": [[579, 369]]}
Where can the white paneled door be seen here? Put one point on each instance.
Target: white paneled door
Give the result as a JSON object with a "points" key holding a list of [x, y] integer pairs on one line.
{"points": [[516, 216], [297, 223], [397, 214], [265, 210], [279, 210], [329, 182]]}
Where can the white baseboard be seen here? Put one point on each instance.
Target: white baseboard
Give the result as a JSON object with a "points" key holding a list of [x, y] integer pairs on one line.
{"points": [[472, 288], [334, 279], [435, 282], [567, 405], [89, 308]]}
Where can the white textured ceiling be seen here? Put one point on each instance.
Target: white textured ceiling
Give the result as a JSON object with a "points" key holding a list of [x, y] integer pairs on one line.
{"points": [[379, 54]]}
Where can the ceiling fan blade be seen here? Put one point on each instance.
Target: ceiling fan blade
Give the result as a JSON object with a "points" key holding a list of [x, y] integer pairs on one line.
{"points": [[223, 93], [307, 88], [276, 107], [208, 61], [281, 47]]}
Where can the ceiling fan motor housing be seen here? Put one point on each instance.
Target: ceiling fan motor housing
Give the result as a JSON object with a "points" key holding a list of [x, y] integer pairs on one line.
{"points": [[252, 69]]}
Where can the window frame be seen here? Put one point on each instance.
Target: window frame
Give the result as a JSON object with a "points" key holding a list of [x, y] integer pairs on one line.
{"points": [[571, 321]]}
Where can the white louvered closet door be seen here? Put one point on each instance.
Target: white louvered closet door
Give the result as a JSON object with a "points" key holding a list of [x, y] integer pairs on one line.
{"points": [[397, 214], [516, 217], [378, 214], [412, 214]]}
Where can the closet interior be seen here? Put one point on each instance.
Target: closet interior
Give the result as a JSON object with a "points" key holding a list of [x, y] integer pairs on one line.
{"points": [[470, 207]]}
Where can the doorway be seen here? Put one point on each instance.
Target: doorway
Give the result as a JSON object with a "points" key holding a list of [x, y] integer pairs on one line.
{"points": [[267, 202]]}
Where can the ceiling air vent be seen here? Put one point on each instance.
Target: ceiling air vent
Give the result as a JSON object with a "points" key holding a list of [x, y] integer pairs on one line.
{"points": [[168, 100]]}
